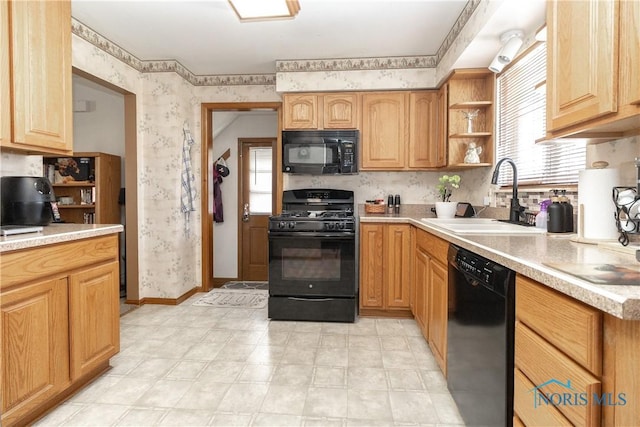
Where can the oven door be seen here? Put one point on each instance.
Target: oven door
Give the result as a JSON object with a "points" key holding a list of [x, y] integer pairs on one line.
{"points": [[312, 264]]}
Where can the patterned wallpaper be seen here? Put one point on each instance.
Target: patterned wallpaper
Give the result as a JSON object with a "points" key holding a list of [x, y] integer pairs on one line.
{"points": [[168, 96], [169, 259]]}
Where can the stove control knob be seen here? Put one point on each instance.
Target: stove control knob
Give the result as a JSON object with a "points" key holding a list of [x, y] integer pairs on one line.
{"points": [[341, 225], [330, 225], [281, 224], [292, 224]]}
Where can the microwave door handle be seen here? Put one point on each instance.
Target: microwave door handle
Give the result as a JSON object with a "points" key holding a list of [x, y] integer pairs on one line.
{"points": [[339, 155]]}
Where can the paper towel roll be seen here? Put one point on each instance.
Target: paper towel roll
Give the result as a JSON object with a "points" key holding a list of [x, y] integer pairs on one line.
{"points": [[596, 217]]}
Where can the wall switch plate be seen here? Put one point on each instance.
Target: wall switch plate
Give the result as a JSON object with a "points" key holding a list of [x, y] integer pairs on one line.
{"points": [[486, 201]]}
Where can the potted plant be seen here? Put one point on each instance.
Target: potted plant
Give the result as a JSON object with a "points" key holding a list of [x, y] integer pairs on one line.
{"points": [[446, 184]]}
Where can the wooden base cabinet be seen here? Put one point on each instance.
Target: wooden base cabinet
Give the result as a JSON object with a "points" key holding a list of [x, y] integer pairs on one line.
{"points": [[384, 269], [94, 313], [566, 348], [438, 313], [35, 346], [59, 316], [430, 292]]}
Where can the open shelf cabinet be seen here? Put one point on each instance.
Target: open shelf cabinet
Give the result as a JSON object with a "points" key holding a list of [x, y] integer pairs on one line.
{"points": [[92, 191], [470, 90]]}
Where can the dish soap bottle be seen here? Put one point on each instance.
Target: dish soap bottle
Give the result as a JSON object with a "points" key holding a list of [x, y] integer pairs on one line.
{"points": [[541, 218], [567, 212], [555, 215]]}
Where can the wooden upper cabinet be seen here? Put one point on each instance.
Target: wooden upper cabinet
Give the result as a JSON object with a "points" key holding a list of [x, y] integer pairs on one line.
{"points": [[301, 111], [424, 146], [582, 55], [321, 111], [340, 111], [629, 58], [593, 63], [40, 49], [442, 128], [5, 97], [384, 130]]}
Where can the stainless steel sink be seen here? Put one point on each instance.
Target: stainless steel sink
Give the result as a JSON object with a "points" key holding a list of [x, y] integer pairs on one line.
{"points": [[480, 226]]}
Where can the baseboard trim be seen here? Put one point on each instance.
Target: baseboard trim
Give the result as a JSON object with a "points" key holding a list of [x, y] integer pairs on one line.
{"points": [[375, 312], [166, 301]]}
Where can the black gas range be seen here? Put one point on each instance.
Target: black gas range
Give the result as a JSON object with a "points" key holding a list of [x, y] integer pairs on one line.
{"points": [[310, 221], [312, 257]]}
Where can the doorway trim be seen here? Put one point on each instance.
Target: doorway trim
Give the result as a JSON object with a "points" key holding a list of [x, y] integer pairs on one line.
{"points": [[130, 183], [207, 110]]}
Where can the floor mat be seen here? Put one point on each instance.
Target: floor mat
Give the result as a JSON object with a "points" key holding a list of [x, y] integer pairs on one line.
{"points": [[234, 298], [245, 285]]}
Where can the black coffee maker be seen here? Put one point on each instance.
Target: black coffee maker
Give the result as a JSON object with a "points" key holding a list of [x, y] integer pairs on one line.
{"points": [[25, 200]]}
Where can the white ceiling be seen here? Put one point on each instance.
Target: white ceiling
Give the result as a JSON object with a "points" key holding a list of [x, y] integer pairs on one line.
{"points": [[207, 37]]}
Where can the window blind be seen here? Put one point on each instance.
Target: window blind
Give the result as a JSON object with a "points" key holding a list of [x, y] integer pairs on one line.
{"points": [[522, 119]]}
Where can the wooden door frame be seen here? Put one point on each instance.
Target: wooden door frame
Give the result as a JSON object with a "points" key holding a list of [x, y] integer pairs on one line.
{"points": [[130, 183], [206, 219], [263, 142]]}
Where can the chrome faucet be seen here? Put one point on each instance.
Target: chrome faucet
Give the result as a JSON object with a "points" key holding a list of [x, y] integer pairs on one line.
{"points": [[516, 210]]}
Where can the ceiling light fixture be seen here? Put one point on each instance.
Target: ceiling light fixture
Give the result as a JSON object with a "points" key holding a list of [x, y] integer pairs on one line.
{"points": [[262, 10], [511, 43]]}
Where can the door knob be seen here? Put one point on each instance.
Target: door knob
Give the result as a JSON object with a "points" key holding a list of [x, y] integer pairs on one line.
{"points": [[245, 213]]}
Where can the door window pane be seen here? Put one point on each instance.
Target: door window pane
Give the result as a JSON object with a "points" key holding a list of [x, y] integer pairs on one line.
{"points": [[260, 196]]}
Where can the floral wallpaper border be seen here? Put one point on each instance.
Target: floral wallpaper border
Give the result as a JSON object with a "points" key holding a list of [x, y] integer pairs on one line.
{"points": [[350, 64], [356, 64], [101, 42], [385, 63]]}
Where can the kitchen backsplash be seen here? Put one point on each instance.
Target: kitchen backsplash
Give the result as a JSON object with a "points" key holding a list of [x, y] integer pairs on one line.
{"points": [[531, 199], [13, 164]]}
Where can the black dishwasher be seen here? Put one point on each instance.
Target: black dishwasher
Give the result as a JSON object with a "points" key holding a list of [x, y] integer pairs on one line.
{"points": [[480, 338]]}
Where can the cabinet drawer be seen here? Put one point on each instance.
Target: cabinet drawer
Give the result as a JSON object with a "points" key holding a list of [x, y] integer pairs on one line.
{"points": [[527, 411], [434, 246], [546, 367], [33, 263], [572, 327]]}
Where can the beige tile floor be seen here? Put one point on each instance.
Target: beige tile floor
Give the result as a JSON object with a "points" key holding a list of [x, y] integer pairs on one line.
{"points": [[195, 366]]}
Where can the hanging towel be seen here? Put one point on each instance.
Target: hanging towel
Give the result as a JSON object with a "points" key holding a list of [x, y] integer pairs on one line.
{"points": [[217, 197], [187, 190]]}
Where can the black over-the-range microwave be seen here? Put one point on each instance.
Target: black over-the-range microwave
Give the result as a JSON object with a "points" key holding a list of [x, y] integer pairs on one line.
{"points": [[320, 152]]}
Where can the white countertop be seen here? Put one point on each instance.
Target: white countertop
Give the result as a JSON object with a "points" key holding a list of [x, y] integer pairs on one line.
{"points": [[57, 233], [527, 254]]}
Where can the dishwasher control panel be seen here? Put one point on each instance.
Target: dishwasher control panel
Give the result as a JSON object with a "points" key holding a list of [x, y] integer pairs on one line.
{"points": [[474, 267]]}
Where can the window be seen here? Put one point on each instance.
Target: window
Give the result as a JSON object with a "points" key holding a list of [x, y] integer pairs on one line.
{"points": [[522, 120], [260, 180]]}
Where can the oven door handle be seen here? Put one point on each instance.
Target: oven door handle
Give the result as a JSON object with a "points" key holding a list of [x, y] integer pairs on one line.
{"points": [[310, 299], [312, 235]]}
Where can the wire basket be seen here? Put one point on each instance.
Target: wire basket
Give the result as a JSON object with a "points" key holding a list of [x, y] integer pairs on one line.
{"points": [[373, 208], [627, 214]]}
